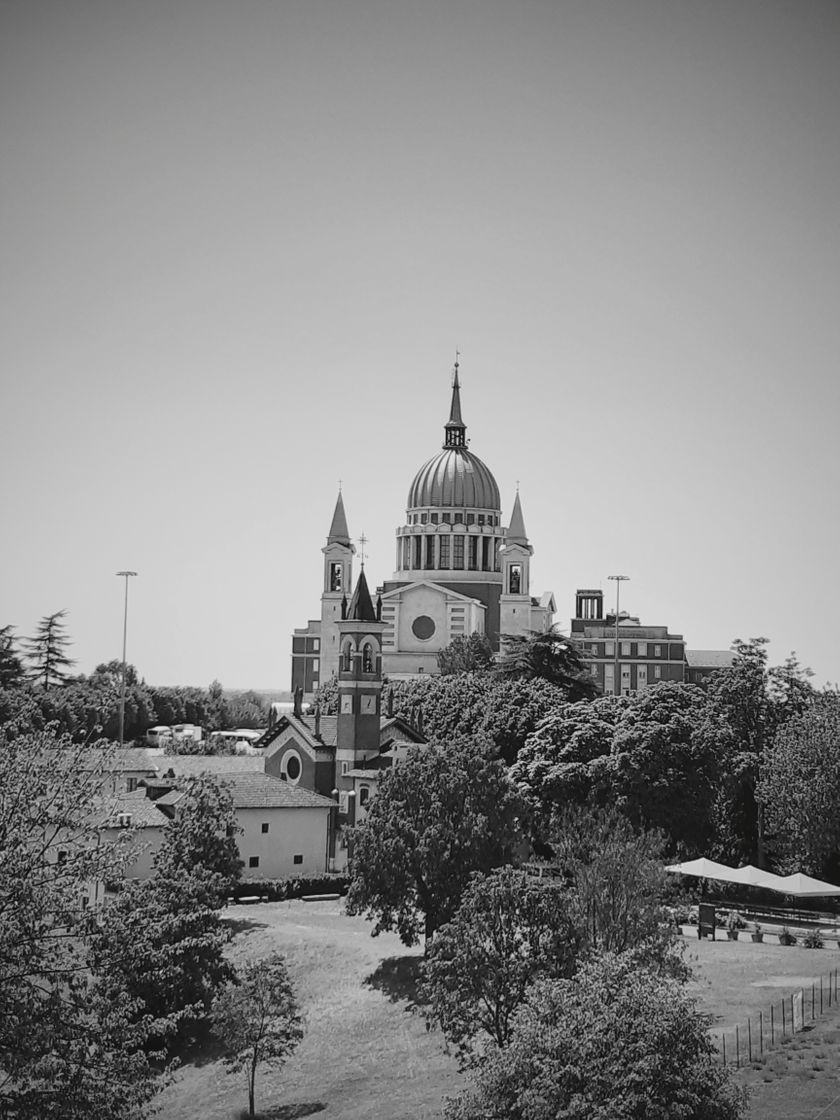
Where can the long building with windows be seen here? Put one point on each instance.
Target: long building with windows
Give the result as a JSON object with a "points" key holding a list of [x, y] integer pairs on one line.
{"points": [[459, 569], [626, 656]]}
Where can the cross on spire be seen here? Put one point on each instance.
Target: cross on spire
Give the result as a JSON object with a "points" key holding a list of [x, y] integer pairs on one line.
{"points": [[362, 542]]}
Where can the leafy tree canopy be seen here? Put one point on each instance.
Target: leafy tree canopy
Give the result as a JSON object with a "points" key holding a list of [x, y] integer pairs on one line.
{"points": [[510, 929], [614, 1042], [257, 1019], [799, 787], [66, 1053], [468, 653], [549, 656], [438, 816]]}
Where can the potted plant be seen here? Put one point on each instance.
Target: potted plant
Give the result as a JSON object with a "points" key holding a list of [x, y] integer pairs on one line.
{"points": [[734, 923], [786, 937], [757, 932]]}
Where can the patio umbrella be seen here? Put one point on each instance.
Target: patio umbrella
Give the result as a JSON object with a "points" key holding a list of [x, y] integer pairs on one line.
{"points": [[803, 886]]}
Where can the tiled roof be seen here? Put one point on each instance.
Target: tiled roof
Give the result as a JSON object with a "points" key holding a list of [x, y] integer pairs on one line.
{"points": [[124, 758], [143, 812], [263, 791], [188, 765], [709, 658]]}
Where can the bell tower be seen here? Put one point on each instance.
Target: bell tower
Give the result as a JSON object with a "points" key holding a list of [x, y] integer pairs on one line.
{"points": [[338, 575], [516, 553], [360, 632]]}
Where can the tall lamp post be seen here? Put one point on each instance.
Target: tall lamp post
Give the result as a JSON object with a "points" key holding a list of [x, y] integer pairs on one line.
{"points": [[618, 582], [122, 675]]}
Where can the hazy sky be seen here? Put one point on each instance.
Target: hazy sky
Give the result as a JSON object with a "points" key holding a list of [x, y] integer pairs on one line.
{"points": [[240, 241]]}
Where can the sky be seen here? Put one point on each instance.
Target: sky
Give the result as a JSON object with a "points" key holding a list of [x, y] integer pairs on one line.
{"points": [[241, 240]]}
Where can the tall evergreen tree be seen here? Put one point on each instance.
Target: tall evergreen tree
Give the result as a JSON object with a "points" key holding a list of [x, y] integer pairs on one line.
{"points": [[46, 652], [11, 667]]}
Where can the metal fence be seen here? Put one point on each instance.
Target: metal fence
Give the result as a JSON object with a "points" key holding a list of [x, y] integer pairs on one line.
{"points": [[750, 1041]]}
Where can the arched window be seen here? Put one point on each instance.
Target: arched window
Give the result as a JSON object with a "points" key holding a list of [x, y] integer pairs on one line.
{"points": [[347, 657], [367, 658], [364, 795]]}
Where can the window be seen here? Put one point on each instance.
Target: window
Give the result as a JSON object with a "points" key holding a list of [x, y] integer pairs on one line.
{"points": [[458, 551], [346, 657], [430, 552], [292, 769], [515, 579], [418, 552], [367, 658], [446, 518], [316, 664], [264, 827], [253, 861], [335, 576], [364, 795], [424, 518], [473, 553], [593, 670], [625, 649], [481, 519], [657, 651], [642, 649], [471, 519], [609, 649], [298, 859], [345, 766], [132, 785], [316, 645], [657, 671], [406, 552], [444, 552]]}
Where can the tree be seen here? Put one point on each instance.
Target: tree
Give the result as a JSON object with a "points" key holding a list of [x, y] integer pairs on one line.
{"points": [[550, 656], [160, 948], [438, 816], [754, 701], [614, 1042], [65, 1053], [257, 1019], [659, 756], [510, 929], [11, 667], [616, 881], [799, 787], [47, 651], [201, 839], [468, 653]]}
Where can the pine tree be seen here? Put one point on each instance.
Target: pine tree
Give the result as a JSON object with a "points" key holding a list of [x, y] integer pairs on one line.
{"points": [[47, 651], [11, 667]]}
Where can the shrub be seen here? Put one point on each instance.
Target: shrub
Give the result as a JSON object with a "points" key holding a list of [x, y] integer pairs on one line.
{"points": [[786, 937], [280, 890], [812, 939]]}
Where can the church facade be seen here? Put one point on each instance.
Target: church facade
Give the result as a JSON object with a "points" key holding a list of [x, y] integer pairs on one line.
{"points": [[458, 570]]}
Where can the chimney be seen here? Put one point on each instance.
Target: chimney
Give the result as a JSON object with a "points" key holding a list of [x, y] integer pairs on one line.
{"points": [[318, 720]]}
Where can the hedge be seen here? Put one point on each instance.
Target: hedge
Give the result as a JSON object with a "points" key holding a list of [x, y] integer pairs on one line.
{"points": [[278, 890]]}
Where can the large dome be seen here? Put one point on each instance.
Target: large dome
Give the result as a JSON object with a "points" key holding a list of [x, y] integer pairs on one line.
{"points": [[454, 477]]}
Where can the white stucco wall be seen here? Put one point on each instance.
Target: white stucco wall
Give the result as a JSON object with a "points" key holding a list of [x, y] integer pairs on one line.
{"points": [[291, 832]]}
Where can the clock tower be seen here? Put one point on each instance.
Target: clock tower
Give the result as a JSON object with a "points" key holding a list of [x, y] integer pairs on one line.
{"points": [[359, 635]]}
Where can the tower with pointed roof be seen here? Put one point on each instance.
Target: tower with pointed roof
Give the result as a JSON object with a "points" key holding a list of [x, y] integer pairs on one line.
{"points": [[338, 579], [518, 612], [359, 633]]}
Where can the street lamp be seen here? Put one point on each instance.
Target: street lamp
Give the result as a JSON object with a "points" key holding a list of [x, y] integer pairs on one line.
{"points": [[618, 582], [122, 675]]}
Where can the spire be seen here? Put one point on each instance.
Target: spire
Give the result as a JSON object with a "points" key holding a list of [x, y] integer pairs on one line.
{"points": [[516, 533], [338, 529], [361, 605], [455, 428]]}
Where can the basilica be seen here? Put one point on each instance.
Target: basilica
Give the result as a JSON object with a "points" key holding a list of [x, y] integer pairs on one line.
{"points": [[459, 570]]}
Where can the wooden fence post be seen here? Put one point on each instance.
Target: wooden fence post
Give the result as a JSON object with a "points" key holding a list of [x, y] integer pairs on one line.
{"points": [[737, 1048], [761, 1034], [749, 1039]]}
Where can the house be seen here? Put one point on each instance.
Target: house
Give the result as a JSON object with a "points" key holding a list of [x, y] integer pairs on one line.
{"points": [[286, 830]]}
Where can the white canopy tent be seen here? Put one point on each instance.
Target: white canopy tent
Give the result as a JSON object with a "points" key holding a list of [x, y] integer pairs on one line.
{"points": [[798, 885]]}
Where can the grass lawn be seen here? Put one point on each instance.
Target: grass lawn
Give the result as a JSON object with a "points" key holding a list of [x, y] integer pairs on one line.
{"points": [[798, 1080], [366, 1053]]}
